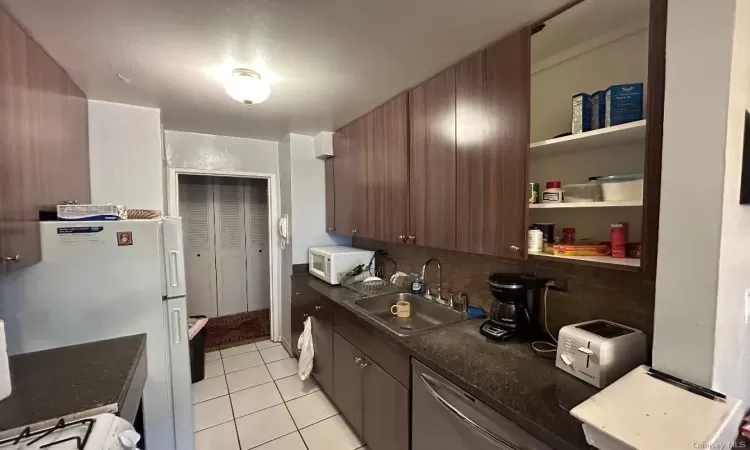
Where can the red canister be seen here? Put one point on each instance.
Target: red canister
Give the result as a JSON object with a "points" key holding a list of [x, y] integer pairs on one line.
{"points": [[618, 234]]}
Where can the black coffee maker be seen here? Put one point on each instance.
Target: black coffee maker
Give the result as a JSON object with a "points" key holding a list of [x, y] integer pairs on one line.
{"points": [[515, 308]]}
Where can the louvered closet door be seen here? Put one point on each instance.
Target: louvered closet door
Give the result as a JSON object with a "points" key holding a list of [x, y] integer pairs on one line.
{"points": [[196, 209], [231, 260], [258, 267]]}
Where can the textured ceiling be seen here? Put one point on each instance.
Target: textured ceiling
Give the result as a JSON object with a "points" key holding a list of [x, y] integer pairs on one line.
{"points": [[328, 61]]}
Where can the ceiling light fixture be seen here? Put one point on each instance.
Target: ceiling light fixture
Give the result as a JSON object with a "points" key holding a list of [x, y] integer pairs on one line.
{"points": [[246, 86]]}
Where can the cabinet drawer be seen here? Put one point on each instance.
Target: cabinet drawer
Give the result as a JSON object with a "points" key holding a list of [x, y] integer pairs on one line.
{"points": [[374, 344]]}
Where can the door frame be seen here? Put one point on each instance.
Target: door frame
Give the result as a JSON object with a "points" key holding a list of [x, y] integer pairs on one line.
{"points": [[274, 205]]}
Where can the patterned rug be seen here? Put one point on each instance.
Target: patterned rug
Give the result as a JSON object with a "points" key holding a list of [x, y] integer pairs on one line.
{"points": [[242, 327]]}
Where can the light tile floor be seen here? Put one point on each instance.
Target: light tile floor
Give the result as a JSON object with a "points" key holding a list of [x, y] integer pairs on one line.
{"points": [[252, 398]]}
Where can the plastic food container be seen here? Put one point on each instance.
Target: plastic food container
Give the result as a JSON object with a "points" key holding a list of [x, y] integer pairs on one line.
{"points": [[588, 192], [621, 188]]}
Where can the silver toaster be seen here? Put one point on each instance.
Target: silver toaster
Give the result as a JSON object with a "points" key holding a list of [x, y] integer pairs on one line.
{"points": [[599, 351]]}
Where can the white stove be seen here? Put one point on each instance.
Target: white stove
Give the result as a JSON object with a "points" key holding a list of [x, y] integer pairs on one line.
{"points": [[100, 432]]}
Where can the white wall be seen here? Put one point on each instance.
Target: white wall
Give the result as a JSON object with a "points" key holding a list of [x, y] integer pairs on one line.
{"points": [[211, 152], [731, 368], [308, 200], [702, 269], [285, 181], [125, 153]]}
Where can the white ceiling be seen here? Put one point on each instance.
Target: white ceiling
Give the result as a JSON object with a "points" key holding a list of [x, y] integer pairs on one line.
{"points": [[586, 21], [329, 61]]}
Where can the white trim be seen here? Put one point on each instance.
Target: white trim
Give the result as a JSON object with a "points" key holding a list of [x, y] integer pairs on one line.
{"points": [[173, 193]]}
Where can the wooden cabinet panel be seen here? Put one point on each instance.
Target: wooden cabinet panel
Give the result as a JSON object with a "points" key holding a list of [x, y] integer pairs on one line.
{"points": [[492, 133], [322, 332], [342, 169], [44, 134], [375, 345], [386, 411], [388, 171], [358, 138], [330, 193], [432, 165], [19, 232], [347, 388]]}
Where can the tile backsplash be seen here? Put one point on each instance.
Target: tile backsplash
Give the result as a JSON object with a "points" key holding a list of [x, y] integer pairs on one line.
{"points": [[591, 292]]}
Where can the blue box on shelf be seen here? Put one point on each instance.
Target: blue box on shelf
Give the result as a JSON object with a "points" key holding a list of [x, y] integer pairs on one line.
{"points": [[598, 106], [581, 113], [623, 104]]}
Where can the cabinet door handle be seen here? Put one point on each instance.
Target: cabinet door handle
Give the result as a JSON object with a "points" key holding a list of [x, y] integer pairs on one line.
{"points": [[357, 360], [318, 307], [515, 248], [412, 239], [16, 258], [354, 231], [331, 230], [364, 364]]}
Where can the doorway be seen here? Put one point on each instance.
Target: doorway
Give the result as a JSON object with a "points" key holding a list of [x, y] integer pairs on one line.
{"points": [[230, 264]]}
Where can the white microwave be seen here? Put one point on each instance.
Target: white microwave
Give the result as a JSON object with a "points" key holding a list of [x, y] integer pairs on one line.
{"points": [[330, 263]]}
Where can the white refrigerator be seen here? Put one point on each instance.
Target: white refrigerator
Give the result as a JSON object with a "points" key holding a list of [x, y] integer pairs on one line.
{"points": [[100, 280]]}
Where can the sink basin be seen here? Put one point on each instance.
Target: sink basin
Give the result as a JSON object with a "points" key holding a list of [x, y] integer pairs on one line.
{"points": [[425, 314]]}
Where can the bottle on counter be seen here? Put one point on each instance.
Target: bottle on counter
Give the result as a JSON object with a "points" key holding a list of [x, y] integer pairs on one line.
{"points": [[553, 193]]}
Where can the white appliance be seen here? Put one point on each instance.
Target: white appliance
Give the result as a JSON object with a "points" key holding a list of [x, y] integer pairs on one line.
{"points": [[330, 263], [651, 410], [100, 280], [599, 351], [100, 432]]}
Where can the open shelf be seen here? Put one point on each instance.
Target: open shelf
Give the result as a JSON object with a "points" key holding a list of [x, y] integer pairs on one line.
{"points": [[605, 137], [631, 264], [629, 203]]}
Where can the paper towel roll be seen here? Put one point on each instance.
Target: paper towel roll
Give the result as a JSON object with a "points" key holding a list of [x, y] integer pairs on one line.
{"points": [[5, 388]]}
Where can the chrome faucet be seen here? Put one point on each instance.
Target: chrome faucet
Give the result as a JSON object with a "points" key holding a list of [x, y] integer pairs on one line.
{"points": [[440, 278]]}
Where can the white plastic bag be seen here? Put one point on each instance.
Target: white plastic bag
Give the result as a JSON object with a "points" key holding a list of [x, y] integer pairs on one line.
{"points": [[306, 350]]}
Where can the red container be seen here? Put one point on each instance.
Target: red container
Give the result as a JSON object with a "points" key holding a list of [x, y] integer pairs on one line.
{"points": [[569, 236], [618, 233], [554, 184]]}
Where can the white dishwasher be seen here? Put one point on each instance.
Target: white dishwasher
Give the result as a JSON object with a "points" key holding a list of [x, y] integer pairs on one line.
{"points": [[445, 416]]}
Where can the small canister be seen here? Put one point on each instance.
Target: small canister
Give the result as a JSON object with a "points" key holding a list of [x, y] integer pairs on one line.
{"points": [[569, 236], [533, 192], [536, 240], [619, 236]]}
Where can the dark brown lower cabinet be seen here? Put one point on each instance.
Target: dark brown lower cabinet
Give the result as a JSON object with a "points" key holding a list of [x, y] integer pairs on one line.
{"points": [[374, 404], [386, 411], [348, 382], [322, 331]]}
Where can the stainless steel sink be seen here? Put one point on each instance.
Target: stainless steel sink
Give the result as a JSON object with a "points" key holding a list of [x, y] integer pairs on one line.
{"points": [[425, 314]]}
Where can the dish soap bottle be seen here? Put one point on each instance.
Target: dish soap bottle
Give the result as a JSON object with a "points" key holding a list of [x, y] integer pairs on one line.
{"points": [[417, 285]]}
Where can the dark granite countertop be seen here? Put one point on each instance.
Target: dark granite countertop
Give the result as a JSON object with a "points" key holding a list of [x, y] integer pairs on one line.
{"points": [[507, 376], [71, 382]]}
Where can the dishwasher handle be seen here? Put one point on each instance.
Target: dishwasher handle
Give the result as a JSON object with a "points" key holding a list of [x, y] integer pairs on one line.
{"points": [[430, 382]]}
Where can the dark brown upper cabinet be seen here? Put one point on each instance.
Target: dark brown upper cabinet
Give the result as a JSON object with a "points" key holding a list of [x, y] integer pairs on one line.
{"points": [[343, 176], [492, 140], [330, 193], [388, 171], [432, 162], [44, 136]]}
